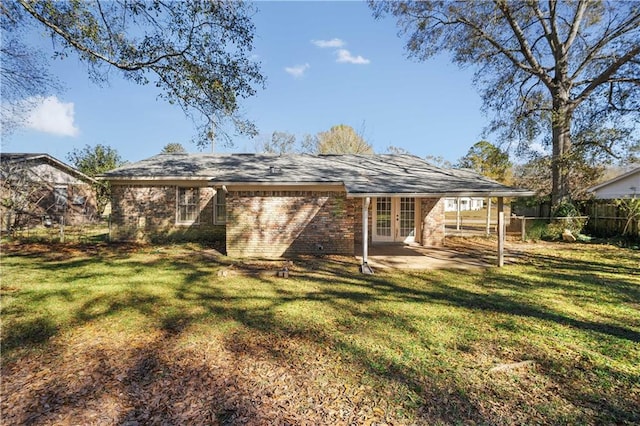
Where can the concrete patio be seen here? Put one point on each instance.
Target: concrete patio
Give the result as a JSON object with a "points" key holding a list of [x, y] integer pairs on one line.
{"points": [[403, 256]]}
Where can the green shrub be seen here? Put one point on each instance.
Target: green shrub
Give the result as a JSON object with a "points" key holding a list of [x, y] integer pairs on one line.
{"points": [[540, 229], [566, 216], [565, 209], [536, 229]]}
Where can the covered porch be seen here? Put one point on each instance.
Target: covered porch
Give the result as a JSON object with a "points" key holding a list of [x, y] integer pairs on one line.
{"points": [[397, 205], [414, 251], [458, 253]]}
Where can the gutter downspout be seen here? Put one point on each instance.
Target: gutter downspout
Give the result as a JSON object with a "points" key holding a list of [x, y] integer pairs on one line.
{"points": [[365, 268]]}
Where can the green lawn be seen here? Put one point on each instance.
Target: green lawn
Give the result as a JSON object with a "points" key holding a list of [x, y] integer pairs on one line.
{"points": [[159, 335]]}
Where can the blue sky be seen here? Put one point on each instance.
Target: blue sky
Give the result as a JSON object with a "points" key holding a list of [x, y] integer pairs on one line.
{"points": [[362, 77]]}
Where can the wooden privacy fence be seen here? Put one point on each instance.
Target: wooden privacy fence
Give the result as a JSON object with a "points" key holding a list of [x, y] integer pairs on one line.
{"points": [[610, 220], [614, 226]]}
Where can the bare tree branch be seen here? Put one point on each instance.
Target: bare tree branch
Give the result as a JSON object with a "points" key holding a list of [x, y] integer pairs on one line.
{"points": [[606, 75]]}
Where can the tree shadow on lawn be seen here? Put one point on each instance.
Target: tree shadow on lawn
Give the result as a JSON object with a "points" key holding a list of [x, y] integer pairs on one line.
{"points": [[150, 376], [608, 262], [152, 384], [366, 290], [432, 390], [457, 297]]}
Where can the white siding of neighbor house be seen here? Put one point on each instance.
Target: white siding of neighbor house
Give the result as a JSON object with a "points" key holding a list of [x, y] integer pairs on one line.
{"points": [[47, 173], [466, 203], [628, 186]]}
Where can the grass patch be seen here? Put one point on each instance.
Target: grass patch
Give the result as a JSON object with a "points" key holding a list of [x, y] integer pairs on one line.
{"points": [[156, 334], [91, 233]]}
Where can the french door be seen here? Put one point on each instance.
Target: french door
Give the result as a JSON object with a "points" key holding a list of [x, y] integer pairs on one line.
{"points": [[394, 219]]}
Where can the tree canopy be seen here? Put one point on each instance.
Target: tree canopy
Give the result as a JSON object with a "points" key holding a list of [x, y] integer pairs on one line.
{"points": [[93, 161], [173, 147], [488, 160], [280, 143], [534, 175], [342, 139], [565, 73], [24, 74], [197, 53], [438, 161]]}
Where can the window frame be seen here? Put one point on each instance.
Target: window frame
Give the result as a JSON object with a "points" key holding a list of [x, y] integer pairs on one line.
{"points": [[216, 205], [61, 197], [196, 220]]}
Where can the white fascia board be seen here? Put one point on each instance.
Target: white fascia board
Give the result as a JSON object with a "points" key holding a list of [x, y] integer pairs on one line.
{"points": [[152, 178], [444, 194], [614, 180], [230, 184]]}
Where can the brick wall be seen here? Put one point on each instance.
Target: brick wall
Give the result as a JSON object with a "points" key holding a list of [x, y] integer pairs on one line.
{"points": [[259, 223], [287, 223], [148, 213], [357, 228], [432, 212]]}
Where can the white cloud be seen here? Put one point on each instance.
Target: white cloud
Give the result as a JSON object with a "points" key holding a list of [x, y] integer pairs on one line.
{"points": [[345, 56], [538, 148], [334, 42], [298, 70], [49, 115]]}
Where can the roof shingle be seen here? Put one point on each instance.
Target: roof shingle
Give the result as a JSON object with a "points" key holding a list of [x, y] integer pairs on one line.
{"points": [[361, 175]]}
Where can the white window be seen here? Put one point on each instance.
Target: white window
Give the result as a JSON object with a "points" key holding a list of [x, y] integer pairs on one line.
{"points": [[188, 205], [77, 197], [220, 207], [60, 197]]}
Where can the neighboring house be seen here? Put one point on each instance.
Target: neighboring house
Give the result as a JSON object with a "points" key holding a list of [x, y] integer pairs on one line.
{"points": [[272, 206], [466, 204], [627, 185], [607, 216], [39, 189]]}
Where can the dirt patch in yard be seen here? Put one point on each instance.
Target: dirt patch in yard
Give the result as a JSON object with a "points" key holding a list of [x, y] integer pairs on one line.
{"points": [[62, 251], [159, 378]]}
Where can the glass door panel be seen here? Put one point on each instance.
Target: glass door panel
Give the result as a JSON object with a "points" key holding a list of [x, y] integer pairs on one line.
{"points": [[406, 218], [383, 219]]}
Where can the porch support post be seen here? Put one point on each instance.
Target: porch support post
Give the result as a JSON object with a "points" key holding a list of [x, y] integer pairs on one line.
{"points": [[488, 215], [501, 232], [365, 268], [457, 213]]}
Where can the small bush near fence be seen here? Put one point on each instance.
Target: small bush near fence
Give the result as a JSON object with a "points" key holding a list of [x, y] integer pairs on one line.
{"points": [[539, 228], [536, 229]]}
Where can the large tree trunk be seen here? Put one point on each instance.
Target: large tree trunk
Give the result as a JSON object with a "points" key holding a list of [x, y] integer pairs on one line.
{"points": [[561, 140]]}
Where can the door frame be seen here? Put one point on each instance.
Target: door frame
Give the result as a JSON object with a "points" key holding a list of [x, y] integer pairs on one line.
{"points": [[395, 211]]}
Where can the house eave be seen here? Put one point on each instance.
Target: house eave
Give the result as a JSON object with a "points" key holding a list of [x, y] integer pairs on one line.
{"points": [[599, 186], [151, 178], [482, 194], [279, 184], [231, 184]]}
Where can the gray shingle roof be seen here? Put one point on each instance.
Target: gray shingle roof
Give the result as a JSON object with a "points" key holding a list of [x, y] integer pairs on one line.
{"points": [[361, 175]]}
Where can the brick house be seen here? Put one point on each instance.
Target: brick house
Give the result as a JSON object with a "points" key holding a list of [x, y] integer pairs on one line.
{"points": [[39, 189], [272, 206]]}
